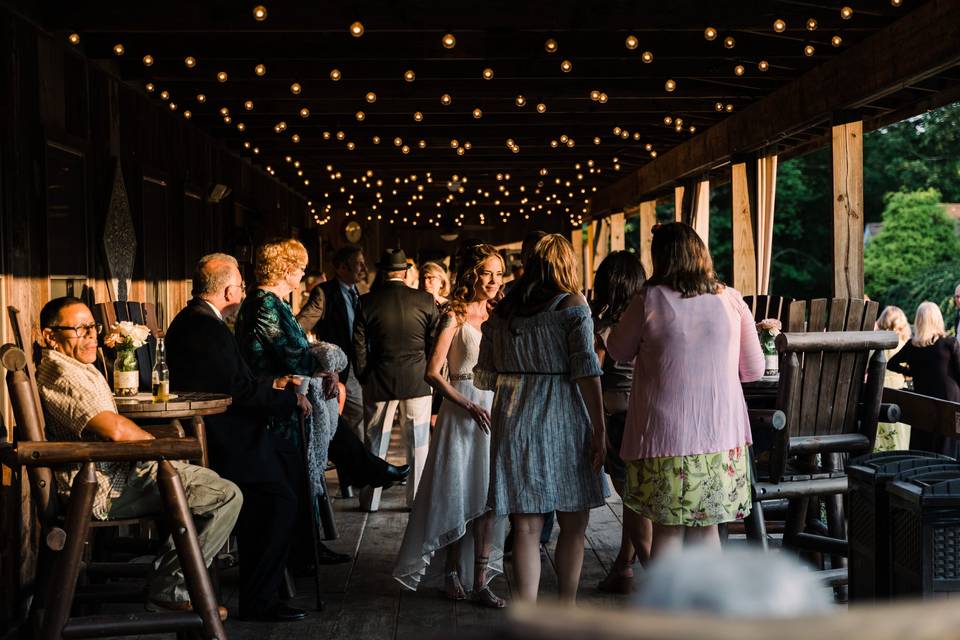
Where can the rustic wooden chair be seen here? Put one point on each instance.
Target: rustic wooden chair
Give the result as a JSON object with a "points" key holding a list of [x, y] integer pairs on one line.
{"points": [[830, 392], [786, 310], [64, 532]]}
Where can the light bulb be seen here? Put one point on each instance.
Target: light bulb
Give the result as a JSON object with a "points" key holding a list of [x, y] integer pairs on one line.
{"points": [[809, 50], [356, 29], [304, 113], [187, 114], [779, 25], [446, 100], [520, 101], [763, 65], [201, 98], [487, 74], [190, 62], [647, 56], [670, 85], [710, 33], [811, 24], [164, 95], [550, 45], [260, 69], [448, 41], [477, 113], [74, 38], [846, 13], [632, 42], [603, 98], [836, 41], [418, 116], [149, 87], [729, 42], [409, 75], [259, 13], [360, 115], [295, 88], [566, 66], [541, 108], [222, 76], [118, 49], [371, 97], [739, 70]]}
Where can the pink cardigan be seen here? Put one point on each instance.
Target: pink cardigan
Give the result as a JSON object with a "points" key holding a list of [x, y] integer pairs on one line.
{"points": [[691, 355]]}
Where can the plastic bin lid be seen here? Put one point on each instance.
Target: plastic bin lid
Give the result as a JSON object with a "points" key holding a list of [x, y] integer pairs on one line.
{"points": [[879, 457], [883, 469], [933, 489]]}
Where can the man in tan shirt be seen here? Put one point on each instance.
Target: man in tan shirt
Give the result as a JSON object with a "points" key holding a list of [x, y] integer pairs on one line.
{"points": [[78, 405]]}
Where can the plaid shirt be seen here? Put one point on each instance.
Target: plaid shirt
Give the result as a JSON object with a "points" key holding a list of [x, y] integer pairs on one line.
{"points": [[72, 393]]}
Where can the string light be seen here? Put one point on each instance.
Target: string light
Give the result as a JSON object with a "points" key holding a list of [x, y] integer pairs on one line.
{"points": [[418, 116], [187, 114], [809, 50], [149, 87], [566, 66], [670, 85], [164, 95], [335, 74], [647, 56], [846, 13], [710, 33], [541, 108], [448, 41], [222, 76], [371, 97], [190, 62], [248, 105], [603, 98], [729, 42], [739, 70], [811, 24], [356, 29], [409, 75], [260, 69], [304, 113], [779, 25], [259, 13], [550, 45], [360, 115], [74, 38], [763, 65], [836, 41], [118, 49], [201, 98], [632, 42], [520, 101], [477, 113], [446, 100], [295, 88]]}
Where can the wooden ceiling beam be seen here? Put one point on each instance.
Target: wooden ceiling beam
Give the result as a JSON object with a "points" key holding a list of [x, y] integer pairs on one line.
{"points": [[917, 46]]}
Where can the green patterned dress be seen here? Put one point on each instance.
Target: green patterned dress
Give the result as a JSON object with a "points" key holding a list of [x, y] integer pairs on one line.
{"points": [[274, 344]]}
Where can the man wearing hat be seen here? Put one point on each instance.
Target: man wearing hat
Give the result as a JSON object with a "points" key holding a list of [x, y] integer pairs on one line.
{"points": [[393, 337]]}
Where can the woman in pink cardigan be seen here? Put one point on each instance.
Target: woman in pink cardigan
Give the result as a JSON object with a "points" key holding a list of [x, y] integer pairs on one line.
{"points": [[693, 341]]}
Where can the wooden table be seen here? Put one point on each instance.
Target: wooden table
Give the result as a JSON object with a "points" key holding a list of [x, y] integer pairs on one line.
{"points": [[187, 404]]}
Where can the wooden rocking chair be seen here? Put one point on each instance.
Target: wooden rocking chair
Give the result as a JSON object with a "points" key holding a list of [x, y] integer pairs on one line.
{"points": [[64, 532]]}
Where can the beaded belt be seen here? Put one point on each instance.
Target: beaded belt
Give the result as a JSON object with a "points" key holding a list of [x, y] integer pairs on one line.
{"points": [[454, 377]]}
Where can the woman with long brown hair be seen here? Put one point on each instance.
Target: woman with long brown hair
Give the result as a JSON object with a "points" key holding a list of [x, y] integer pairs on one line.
{"points": [[693, 341], [548, 440], [450, 509]]}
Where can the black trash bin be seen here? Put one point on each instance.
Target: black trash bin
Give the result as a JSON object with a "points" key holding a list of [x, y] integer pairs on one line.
{"points": [[869, 533], [925, 534]]}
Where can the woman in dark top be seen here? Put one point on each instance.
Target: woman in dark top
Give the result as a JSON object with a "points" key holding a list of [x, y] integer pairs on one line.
{"points": [[932, 359], [619, 277]]}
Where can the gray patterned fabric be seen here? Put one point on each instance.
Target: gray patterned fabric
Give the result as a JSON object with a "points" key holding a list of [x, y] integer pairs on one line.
{"points": [[540, 440], [322, 421]]}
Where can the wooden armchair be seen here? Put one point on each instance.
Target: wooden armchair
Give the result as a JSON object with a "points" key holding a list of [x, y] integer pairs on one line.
{"points": [[64, 532], [830, 393]]}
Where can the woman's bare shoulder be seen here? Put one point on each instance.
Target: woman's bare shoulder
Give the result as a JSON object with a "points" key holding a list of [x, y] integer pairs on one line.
{"points": [[572, 300]]}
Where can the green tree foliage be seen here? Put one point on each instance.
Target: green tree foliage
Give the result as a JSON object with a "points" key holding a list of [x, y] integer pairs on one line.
{"points": [[936, 284], [917, 237]]}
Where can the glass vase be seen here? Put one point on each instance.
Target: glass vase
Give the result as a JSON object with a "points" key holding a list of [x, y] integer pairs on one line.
{"points": [[126, 374]]}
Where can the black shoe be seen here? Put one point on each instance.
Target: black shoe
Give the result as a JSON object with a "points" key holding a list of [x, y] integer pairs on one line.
{"points": [[327, 555], [391, 474], [277, 613]]}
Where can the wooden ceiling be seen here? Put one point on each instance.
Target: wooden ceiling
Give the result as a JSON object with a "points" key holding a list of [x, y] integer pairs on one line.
{"points": [[303, 42]]}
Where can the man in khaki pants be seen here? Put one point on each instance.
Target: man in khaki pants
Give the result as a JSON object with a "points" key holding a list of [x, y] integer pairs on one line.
{"points": [[393, 337]]}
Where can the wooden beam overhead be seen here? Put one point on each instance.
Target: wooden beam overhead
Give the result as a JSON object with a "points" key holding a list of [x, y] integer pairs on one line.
{"points": [[918, 45]]}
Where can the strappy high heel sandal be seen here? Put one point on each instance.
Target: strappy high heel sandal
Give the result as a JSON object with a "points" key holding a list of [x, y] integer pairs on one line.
{"points": [[483, 595], [453, 588]]}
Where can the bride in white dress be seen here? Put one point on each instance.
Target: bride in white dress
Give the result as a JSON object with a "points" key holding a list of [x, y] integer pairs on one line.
{"points": [[450, 510]]}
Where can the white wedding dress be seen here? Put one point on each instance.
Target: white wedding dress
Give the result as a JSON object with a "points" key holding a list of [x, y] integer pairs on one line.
{"points": [[453, 490]]}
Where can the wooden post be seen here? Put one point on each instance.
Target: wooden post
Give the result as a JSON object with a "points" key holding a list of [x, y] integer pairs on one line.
{"points": [[744, 254], [576, 239], [588, 255], [848, 210], [602, 243], [701, 212], [617, 240], [678, 203], [648, 218], [766, 197]]}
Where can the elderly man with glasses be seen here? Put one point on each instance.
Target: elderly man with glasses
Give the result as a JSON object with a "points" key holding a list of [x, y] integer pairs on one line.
{"points": [[78, 405]]}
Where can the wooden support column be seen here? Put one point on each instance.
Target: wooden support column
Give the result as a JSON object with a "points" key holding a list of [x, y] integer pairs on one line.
{"points": [[701, 212], [678, 194], [766, 197], [744, 254], [617, 240], [848, 210], [576, 239], [588, 255], [648, 218], [602, 247]]}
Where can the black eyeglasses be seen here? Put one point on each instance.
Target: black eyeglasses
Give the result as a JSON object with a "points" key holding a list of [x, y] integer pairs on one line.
{"points": [[81, 330]]}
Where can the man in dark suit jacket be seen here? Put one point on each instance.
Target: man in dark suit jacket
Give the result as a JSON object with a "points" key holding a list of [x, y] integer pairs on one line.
{"points": [[203, 355], [393, 337], [330, 314]]}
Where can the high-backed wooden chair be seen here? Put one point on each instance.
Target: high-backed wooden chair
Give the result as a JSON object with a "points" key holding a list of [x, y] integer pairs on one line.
{"points": [[64, 531], [830, 392]]}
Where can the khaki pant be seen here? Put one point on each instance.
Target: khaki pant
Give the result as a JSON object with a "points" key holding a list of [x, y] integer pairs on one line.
{"points": [[213, 501], [414, 418]]}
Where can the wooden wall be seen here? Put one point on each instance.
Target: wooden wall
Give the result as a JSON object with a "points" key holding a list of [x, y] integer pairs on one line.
{"points": [[66, 124]]}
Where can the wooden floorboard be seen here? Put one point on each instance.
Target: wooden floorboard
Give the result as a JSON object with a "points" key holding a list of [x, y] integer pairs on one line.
{"points": [[362, 600]]}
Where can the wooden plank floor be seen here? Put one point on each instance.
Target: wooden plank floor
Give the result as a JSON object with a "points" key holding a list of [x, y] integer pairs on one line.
{"points": [[362, 600]]}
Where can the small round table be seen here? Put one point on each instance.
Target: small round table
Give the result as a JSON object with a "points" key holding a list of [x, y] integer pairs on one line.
{"points": [[185, 404]]}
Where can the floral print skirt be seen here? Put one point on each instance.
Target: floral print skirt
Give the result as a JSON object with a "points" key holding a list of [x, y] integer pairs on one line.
{"points": [[692, 491], [892, 437]]}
